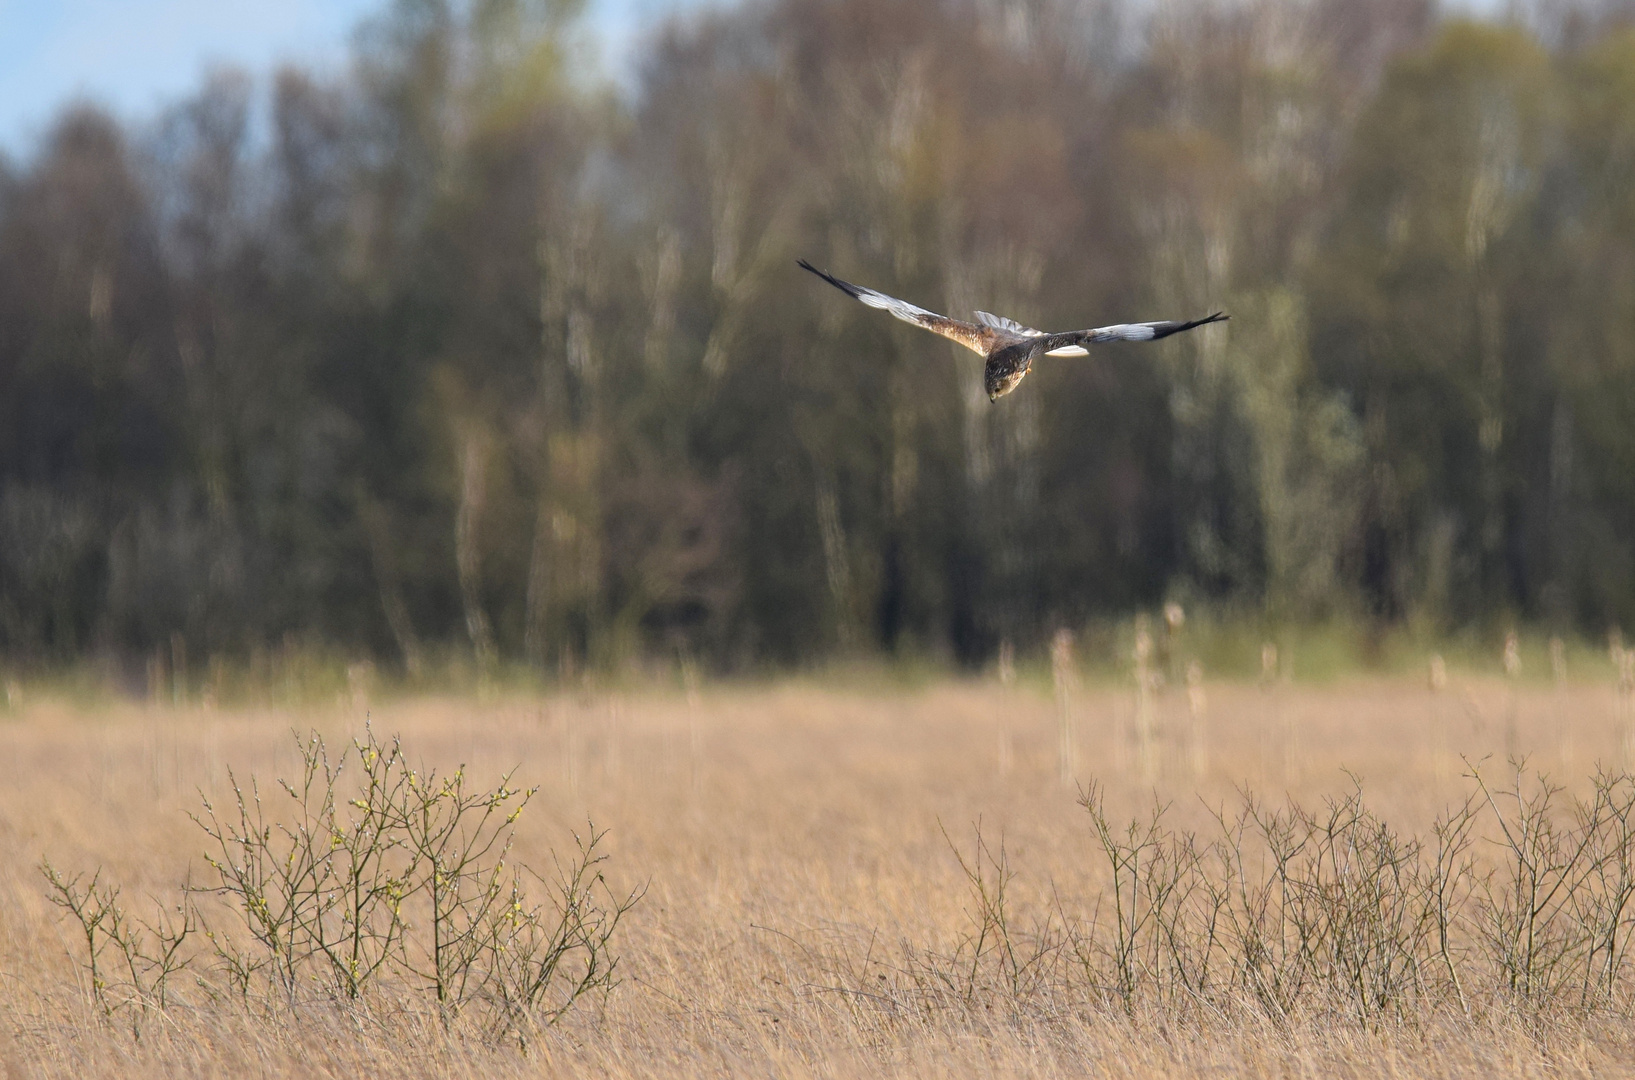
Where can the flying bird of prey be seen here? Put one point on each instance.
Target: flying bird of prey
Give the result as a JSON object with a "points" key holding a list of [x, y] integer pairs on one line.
{"points": [[1009, 347]]}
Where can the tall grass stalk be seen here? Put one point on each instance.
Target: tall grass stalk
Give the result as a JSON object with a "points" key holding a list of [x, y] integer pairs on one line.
{"points": [[1144, 685], [1063, 678], [1197, 709]]}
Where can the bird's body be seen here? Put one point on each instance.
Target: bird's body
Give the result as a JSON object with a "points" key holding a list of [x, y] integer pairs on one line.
{"points": [[1006, 366], [1008, 347]]}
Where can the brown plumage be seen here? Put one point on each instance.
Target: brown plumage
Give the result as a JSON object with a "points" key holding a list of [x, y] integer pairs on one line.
{"points": [[1009, 347]]}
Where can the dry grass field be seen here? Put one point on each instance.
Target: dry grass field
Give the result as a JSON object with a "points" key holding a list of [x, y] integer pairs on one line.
{"points": [[805, 913]]}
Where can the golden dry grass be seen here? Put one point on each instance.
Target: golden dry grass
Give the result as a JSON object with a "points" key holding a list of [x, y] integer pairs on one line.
{"points": [[784, 832]]}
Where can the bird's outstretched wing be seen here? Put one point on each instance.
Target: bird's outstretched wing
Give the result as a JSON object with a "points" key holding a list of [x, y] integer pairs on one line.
{"points": [[1073, 343], [979, 339]]}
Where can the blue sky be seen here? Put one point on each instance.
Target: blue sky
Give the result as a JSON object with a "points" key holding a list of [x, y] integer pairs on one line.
{"points": [[136, 55]]}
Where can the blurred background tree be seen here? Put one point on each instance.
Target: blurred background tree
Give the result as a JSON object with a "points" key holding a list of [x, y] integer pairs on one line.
{"points": [[466, 352]]}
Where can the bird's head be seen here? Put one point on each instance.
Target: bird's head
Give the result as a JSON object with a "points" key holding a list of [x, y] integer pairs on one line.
{"points": [[1003, 371]]}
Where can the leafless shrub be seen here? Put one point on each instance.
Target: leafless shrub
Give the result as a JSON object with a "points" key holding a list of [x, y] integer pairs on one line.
{"points": [[1553, 914], [394, 886], [1000, 965], [1155, 875], [998, 960], [130, 963], [1516, 902], [1517, 898]]}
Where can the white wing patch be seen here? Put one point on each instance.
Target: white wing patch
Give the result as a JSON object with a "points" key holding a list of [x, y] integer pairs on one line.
{"points": [[1069, 350], [900, 308], [1122, 332], [999, 322]]}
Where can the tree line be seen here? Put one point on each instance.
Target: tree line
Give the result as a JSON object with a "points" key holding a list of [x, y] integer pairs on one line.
{"points": [[463, 348]]}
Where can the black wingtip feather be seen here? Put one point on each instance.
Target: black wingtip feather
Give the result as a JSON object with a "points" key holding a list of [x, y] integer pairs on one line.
{"points": [[844, 286], [1219, 316], [1165, 329]]}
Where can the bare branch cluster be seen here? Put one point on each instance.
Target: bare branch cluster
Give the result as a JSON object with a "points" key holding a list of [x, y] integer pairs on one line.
{"points": [[1517, 902], [394, 886]]}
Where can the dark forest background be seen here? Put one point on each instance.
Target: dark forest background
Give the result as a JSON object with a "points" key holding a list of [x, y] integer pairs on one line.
{"points": [[465, 351]]}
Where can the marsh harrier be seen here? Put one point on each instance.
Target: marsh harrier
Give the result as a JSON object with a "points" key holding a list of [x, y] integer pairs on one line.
{"points": [[1009, 347]]}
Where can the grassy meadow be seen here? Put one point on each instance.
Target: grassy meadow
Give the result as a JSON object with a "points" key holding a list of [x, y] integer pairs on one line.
{"points": [[820, 867]]}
